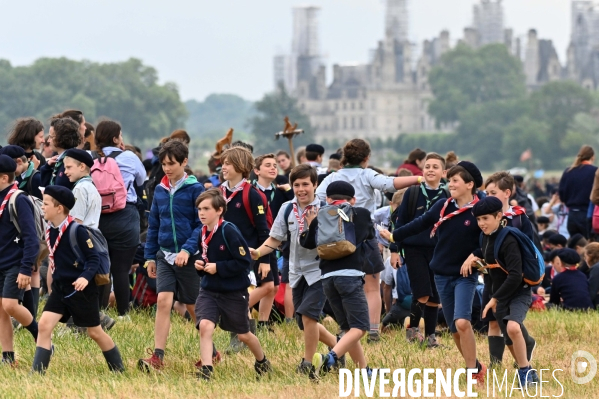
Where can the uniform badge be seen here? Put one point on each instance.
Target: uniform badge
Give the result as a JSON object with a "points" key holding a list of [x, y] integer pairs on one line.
{"points": [[238, 205], [260, 209], [222, 247], [241, 251], [467, 223], [89, 242]]}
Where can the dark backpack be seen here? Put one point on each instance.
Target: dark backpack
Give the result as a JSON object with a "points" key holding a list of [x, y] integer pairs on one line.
{"points": [[413, 193], [248, 207], [99, 242], [533, 265]]}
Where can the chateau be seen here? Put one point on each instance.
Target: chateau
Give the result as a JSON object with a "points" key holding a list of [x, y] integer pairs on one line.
{"points": [[389, 95]]}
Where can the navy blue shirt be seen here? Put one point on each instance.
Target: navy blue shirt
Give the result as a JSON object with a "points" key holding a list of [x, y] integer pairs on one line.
{"points": [[232, 258], [575, 186], [570, 288], [67, 269], [31, 183], [54, 175], [18, 249]]}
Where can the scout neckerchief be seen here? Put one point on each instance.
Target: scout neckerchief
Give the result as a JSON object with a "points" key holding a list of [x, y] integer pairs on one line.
{"points": [[28, 173], [57, 166], [63, 227], [206, 240], [338, 202], [429, 202], [8, 195], [514, 211], [233, 190], [452, 214], [272, 190], [301, 219]]}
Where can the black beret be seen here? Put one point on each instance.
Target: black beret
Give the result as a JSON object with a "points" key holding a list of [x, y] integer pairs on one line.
{"points": [[341, 188], [13, 151], [474, 172], [335, 156], [574, 240], [552, 255], [568, 256], [62, 195], [487, 206], [518, 179], [317, 148], [543, 220], [547, 234], [7, 164], [81, 156], [558, 239]]}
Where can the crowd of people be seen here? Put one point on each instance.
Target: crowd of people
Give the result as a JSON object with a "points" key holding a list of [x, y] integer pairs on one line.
{"points": [[433, 247]]}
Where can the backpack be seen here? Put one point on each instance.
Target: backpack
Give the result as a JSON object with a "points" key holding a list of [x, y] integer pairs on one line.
{"points": [[40, 223], [413, 198], [595, 220], [107, 178], [248, 208], [143, 295], [222, 228], [336, 235], [99, 242], [533, 265]]}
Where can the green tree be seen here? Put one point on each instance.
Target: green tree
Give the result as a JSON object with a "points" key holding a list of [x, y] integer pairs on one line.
{"points": [[126, 91], [584, 129], [216, 114], [466, 77], [524, 134], [271, 109]]}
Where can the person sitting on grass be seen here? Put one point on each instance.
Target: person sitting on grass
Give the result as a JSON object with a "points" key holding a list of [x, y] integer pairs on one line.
{"points": [[74, 291], [224, 270], [569, 287]]}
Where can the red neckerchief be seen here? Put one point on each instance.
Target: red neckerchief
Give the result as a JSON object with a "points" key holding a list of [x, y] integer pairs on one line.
{"points": [[206, 240], [7, 198], [571, 268], [586, 163], [338, 202], [443, 218], [51, 248], [300, 219], [515, 211], [234, 191]]}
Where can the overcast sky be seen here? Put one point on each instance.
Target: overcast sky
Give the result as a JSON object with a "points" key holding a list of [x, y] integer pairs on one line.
{"points": [[227, 46]]}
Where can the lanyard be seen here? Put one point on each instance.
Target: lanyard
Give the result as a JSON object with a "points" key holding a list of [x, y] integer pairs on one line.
{"points": [[206, 240], [452, 214], [7, 198], [234, 191], [51, 248], [57, 166], [430, 202]]}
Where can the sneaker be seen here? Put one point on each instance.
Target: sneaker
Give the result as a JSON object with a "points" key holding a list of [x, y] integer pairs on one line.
{"points": [[431, 341], [204, 373], [16, 326], [527, 377], [151, 363], [341, 360], [413, 335], [216, 358], [124, 319], [480, 376], [6, 362], [106, 322], [373, 337], [322, 363], [262, 368]]}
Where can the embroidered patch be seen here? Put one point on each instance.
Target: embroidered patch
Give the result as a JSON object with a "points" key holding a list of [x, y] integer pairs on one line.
{"points": [[90, 243], [467, 223], [260, 209], [222, 247], [241, 251], [238, 205]]}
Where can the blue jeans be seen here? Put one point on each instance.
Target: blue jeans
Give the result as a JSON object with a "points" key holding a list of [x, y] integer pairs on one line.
{"points": [[456, 294]]}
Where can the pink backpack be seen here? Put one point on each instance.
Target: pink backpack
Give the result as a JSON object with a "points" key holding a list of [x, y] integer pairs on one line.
{"points": [[108, 180], [595, 222]]}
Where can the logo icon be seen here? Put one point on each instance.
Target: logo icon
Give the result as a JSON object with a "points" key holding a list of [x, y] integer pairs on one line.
{"points": [[582, 362], [467, 223]]}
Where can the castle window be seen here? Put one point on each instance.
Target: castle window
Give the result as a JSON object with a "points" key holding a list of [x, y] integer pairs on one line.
{"points": [[344, 122], [353, 122], [344, 106]]}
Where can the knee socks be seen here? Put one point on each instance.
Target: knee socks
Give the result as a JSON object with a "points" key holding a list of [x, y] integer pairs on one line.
{"points": [[430, 320], [415, 313]]}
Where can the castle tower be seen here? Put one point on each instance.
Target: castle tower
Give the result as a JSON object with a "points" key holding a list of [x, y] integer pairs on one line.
{"points": [[396, 20], [488, 21]]}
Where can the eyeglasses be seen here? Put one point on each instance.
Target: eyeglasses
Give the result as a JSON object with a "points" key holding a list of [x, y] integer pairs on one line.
{"points": [[50, 137]]}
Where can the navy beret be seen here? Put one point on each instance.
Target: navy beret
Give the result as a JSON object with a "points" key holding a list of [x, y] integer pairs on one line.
{"points": [[62, 195], [341, 188], [574, 240], [81, 156], [543, 220], [558, 239], [13, 151], [487, 206], [474, 172], [7, 164], [335, 156], [568, 256], [317, 148]]}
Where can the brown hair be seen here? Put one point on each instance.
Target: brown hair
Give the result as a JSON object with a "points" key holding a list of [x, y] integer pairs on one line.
{"points": [[74, 114], [106, 132], [434, 155], [585, 154], [300, 153], [334, 164], [66, 133], [241, 159], [258, 161], [24, 131], [281, 152], [355, 152], [404, 172], [89, 137], [451, 160], [398, 196], [11, 176], [301, 172], [592, 251], [178, 134], [135, 150], [216, 198], [175, 150], [464, 174], [415, 155], [503, 180]]}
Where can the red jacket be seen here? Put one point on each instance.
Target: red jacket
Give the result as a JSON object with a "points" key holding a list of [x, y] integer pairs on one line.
{"points": [[411, 167]]}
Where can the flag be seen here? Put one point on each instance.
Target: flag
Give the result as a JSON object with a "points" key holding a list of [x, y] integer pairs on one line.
{"points": [[526, 155]]}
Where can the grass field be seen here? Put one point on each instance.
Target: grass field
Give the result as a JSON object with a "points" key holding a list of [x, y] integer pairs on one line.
{"points": [[78, 369]]}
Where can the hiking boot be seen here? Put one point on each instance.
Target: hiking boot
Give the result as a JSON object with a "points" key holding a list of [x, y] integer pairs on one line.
{"points": [[322, 363], [204, 373], [528, 377], [480, 376], [262, 368], [373, 337], [413, 335], [151, 363], [235, 345], [106, 322], [431, 341]]}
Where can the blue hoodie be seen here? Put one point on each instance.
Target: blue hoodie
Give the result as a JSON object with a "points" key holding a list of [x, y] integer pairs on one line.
{"points": [[174, 224]]}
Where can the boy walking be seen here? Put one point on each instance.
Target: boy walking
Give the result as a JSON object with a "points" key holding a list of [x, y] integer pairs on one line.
{"points": [[171, 242], [18, 254], [223, 297], [304, 272], [343, 280], [88, 203], [74, 291], [510, 295]]}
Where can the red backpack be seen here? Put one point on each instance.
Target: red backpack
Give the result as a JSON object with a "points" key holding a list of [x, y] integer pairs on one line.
{"points": [[143, 295], [248, 208], [108, 180]]}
